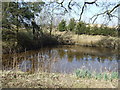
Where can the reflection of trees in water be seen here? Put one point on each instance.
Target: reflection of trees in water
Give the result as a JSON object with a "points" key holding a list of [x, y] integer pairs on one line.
{"points": [[48, 52], [93, 57], [46, 62], [110, 58], [118, 56], [98, 58], [78, 56], [70, 56], [102, 58], [81, 56], [61, 53]]}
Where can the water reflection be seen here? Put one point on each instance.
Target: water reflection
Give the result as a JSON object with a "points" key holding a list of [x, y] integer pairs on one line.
{"points": [[63, 59], [25, 65]]}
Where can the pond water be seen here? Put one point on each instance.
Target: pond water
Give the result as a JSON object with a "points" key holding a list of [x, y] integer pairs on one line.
{"points": [[63, 59]]}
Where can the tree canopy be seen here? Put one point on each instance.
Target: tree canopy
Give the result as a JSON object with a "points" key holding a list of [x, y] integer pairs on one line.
{"points": [[19, 13], [62, 25], [72, 24]]}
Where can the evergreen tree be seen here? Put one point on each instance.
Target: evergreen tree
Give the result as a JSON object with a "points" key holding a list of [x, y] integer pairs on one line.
{"points": [[80, 28], [18, 13], [62, 25], [72, 24]]}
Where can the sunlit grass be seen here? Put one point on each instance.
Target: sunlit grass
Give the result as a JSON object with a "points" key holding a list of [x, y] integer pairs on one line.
{"points": [[92, 40]]}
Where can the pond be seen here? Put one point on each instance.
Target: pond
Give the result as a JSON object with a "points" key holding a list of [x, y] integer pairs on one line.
{"points": [[63, 59]]}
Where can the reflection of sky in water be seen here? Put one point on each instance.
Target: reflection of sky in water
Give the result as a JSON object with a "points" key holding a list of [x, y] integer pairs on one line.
{"points": [[87, 62], [68, 67], [25, 65], [67, 60]]}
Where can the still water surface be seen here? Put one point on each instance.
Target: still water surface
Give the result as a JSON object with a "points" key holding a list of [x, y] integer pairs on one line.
{"points": [[63, 59]]}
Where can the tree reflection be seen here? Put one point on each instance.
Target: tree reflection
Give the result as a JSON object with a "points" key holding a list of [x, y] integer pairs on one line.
{"points": [[44, 59], [61, 53], [70, 55]]}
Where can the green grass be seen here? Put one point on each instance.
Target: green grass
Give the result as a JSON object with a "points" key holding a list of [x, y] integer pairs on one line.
{"points": [[83, 73], [105, 75]]}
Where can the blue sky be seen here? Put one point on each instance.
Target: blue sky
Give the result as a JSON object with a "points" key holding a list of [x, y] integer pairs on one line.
{"points": [[90, 11]]}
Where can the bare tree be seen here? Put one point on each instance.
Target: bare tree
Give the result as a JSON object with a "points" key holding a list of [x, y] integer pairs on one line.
{"points": [[69, 5]]}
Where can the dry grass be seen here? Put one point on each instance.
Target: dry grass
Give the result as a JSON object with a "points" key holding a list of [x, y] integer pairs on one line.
{"points": [[90, 40], [51, 80]]}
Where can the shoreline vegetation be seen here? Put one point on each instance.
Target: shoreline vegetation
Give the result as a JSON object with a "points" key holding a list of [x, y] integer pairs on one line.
{"points": [[91, 40], [60, 38], [18, 79], [79, 79], [75, 33], [32, 26]]}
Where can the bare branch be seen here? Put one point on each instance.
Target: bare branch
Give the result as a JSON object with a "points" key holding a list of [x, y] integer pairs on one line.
{"points": [[85, 3], [82, 12], [69, 5], [73, 3], [108, 12], [90, 2], [96, 16]]}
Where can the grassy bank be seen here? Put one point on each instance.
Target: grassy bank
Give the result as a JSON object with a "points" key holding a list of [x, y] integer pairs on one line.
{"points": [[12, 79], [26, 40], [91, 40]]}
